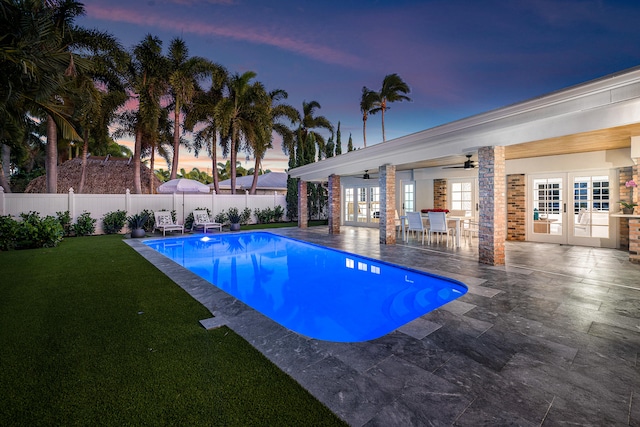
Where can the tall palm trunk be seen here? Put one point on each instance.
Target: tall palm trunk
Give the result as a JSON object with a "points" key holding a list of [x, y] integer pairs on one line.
{"points": [[51, 163], [382, 108], [152, 162], [176, 142], [364, 129], [137, 186], [83, 168], [256, 171], [5, 173], [233, 163], [214, 167]]}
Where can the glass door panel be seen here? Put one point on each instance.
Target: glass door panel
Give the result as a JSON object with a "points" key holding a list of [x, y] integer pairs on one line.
{"points": [[547, 209], [349, 210], [408, 197]]}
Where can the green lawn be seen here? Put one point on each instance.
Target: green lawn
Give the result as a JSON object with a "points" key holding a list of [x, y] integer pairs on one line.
{"points": [[92, 334]]}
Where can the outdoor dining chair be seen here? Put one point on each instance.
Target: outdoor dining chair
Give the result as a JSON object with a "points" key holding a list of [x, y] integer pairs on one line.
{"points": [[438, 224], [415, 224]]}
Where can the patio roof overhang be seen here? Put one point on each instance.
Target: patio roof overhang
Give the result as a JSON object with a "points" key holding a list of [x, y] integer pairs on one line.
{"points": [[601, 114]]}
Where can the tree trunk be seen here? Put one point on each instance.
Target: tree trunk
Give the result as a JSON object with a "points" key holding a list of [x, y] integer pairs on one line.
{"points": [[176, 142], [83, 169], [51, 162], [137, 187], [234, 156], [5, 169], [152, 163], [364, 130], [214, 173], [254, 183]]}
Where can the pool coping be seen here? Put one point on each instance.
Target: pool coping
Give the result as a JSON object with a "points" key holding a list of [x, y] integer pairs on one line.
{"points": [[331, 371]]}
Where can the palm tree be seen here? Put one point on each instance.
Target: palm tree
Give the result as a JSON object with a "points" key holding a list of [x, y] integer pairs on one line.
{"points": [[202, 110], [310, 122], [95, 108], [147, 80], [238, 114], [367, 102], [393, 89], [273, 112], [37, 66], [183, 81]]}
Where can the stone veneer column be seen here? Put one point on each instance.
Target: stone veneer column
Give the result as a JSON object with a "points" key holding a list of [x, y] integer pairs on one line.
{"points": [[303, 208], [625, 174], [334, 204], [634, 240], [439, 194], [492, 185], [516, 207], [387, 204]]}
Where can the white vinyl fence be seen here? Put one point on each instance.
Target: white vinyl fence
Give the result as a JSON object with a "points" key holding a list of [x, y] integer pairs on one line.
{"points": [[99, 204]]}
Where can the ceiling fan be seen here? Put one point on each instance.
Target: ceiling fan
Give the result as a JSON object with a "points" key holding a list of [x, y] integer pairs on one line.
{"points": [[468, 164]]}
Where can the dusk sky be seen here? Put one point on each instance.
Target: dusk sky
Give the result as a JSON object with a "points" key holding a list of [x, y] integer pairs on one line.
{"points": [[459, 57]]}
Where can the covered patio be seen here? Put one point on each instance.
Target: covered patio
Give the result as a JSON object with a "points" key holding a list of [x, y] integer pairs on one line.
{"points": [[583, 137], [551, 338]]}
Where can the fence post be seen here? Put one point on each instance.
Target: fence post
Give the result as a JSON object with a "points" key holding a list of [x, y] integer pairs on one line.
{"points": [[2, 201], [213, 202], [127, 201], [246, 198], [71, 205]]}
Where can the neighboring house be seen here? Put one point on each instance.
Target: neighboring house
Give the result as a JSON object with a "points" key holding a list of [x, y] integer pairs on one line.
{"points": [[104, 175], [551, 159], [268, 183]]}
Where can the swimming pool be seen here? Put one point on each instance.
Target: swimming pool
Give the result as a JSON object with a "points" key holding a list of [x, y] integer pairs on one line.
{"points": [[315, 291]]}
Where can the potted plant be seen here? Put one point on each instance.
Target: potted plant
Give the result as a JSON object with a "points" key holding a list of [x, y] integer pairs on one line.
{"points": [[627, 207], [234, 218], [136, 224]]}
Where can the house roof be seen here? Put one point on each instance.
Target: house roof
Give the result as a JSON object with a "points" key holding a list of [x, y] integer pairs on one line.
{"points": [[276, 181], [104, 175], [596, 115]]}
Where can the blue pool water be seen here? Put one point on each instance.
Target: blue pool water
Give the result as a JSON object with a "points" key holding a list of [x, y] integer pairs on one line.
{"points": [[315, 291]]}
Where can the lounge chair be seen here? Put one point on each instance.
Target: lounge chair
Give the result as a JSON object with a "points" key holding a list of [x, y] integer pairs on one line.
{"points": [[201, 219], [164, 222]]}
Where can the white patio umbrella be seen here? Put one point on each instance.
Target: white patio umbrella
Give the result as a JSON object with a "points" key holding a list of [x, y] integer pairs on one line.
{"points": [[183, 185]]}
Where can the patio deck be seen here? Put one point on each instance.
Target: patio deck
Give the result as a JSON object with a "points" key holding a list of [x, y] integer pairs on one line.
{"points": [[552, 338]]}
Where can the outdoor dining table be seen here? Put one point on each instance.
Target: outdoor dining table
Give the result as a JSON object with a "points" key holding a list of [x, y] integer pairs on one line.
{"points": [[425, 219]]}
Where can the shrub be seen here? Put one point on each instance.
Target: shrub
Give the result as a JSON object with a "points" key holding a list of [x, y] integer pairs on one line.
{"points": [[35, 232], [65, 221], [8, 231], [85, 225], [112, 222], [264, 216], [245, 216], [221, 218], [278, 213]]}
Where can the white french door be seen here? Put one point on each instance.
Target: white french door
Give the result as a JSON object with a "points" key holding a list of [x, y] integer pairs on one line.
{"points": [[408, 197], [570, 208]]}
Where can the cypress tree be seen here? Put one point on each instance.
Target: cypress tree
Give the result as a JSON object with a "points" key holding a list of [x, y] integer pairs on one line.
{"points": [[350, 143], [338, 142]]}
